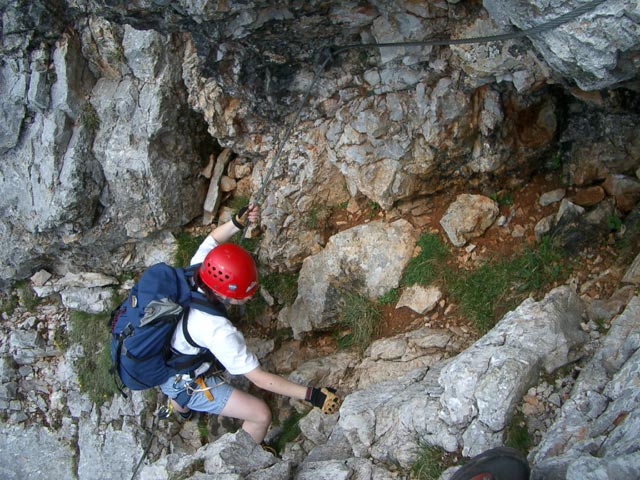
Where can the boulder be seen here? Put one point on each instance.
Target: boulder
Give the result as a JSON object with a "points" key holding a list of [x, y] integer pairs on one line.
{"points": [[469, 216], [366, 260]]}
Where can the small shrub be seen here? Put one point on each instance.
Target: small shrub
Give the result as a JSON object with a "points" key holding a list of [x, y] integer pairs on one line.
{"points": [[362, 316], [92, 332]]}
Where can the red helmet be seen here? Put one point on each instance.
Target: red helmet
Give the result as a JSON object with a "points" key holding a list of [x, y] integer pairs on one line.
{"points": [[230, 271]]}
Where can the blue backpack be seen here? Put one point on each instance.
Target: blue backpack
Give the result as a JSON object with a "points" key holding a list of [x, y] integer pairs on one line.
{"points": [[143, 325]]}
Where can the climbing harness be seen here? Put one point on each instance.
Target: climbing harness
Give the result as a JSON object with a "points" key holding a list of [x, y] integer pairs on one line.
{"points": [[164, 412], [326, 54]]}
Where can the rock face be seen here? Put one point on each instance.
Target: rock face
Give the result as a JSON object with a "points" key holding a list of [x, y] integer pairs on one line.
{"points": [[462, 403], [595, 435], [110, 113], [99, 147], [109, 117], [588, 59]]}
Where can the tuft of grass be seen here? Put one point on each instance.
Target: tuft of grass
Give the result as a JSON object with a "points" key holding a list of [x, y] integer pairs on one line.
{"points": [[317, 217], [26, 296], [249, 244], [187, 246], [432, 461], [203, 429], [89, 117], [374, 208], [90, 331], [362, 317], [502, 198], [290, 430], [8, 303], [538, 267], [517, 433], [236, 203], [490, 290], [429, 264], [389, 298], [477, 293], [282, 285], [614, 222]]}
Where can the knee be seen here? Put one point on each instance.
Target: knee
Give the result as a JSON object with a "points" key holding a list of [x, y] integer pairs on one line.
{"points": [[263, 414]]}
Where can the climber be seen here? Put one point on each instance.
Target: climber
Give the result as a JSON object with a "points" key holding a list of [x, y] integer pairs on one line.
{"points": [[228, 276]]}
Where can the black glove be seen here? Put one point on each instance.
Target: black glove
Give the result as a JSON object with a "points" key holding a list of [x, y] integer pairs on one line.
{"points": [[240, 218], [323, 398]]}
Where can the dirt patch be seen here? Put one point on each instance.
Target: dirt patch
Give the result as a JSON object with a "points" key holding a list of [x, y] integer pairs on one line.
{"points": [[595, 274]]}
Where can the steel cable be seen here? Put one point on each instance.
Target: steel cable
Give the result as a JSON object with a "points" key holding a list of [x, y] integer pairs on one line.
{"points": [[326, 54]]}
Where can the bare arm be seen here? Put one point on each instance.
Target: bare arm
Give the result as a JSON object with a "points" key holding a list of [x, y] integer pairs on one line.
{"points": [[227, 230], [276, 384]]}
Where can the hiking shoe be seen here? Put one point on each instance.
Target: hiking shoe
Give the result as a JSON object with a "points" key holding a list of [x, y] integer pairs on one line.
{"points": [[268, 448], [501, 463]]}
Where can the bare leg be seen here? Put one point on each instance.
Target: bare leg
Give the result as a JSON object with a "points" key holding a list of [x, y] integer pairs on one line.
{"points": [[254, 412]]}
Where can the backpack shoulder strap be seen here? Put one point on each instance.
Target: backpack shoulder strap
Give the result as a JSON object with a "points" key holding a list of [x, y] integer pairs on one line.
{"points": [[199, 302]]}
